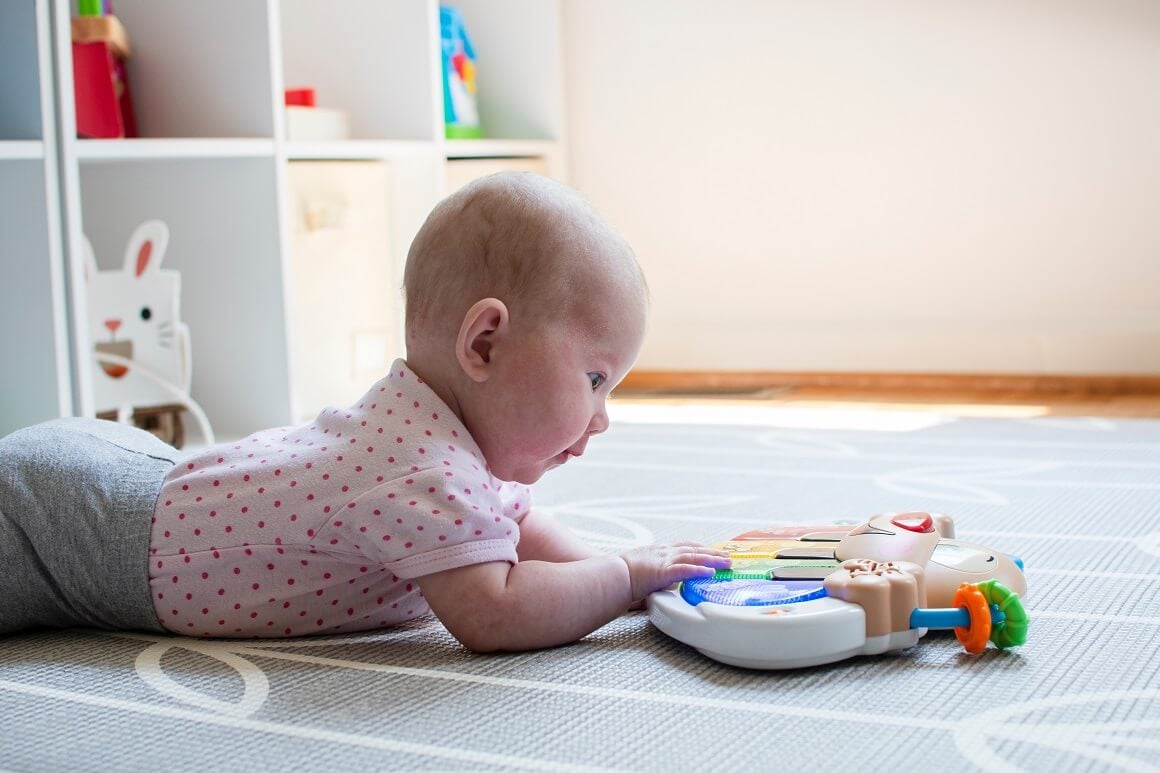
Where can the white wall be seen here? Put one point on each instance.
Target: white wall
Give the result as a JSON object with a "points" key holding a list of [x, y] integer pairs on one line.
{"points": [[900, 185]]}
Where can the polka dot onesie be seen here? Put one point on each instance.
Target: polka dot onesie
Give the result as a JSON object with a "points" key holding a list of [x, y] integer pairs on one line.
{"points": [[323, 528]]}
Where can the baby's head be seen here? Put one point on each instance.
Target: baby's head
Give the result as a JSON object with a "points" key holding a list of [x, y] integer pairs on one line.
{"points": [[524, 309]]}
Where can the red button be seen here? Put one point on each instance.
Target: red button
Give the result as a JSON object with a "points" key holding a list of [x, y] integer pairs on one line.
{"points": [[921, 523]]}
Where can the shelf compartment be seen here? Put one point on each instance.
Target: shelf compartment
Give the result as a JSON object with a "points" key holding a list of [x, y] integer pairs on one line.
{"points": [[377, 61], [519, 67], [23, 30], [225, 241], [200, 71], [33, 339]]}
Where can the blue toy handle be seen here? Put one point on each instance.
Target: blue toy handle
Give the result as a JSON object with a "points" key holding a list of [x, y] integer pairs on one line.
{"points": [[937, 619]]}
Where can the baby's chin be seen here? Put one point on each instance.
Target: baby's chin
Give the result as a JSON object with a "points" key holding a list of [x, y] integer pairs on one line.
{"points": [[526, 471], [525, 475], [528, 477]]}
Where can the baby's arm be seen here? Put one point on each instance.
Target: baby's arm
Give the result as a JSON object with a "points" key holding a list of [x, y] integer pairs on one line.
{"points": [[543, 538], [532, 604]]}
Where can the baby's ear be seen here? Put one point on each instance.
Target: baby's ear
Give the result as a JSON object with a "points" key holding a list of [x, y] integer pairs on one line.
{"points": [[483, 325], [146, 247]]}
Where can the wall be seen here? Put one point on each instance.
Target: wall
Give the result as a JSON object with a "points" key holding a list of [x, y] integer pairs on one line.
{"points": [[891, 186]]}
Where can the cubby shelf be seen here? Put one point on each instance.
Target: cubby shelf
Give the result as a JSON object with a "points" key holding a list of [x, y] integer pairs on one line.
{"points": [[213, 161], [145, 149], [486, 148], [358, 149], [18, 150]]}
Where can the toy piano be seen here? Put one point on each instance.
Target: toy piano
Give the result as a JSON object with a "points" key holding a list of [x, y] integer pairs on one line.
{"points": [[808, 595]]}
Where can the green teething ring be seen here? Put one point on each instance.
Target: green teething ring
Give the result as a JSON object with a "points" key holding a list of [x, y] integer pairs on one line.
{"points": [[1012, 632]]}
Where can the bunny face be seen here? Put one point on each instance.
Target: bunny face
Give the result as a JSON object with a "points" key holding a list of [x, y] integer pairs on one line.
{"points": [[134, 316]]}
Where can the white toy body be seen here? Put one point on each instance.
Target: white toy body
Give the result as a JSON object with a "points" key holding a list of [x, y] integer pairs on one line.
{"points": [[806, 596], [135, 325], [805, 633]]}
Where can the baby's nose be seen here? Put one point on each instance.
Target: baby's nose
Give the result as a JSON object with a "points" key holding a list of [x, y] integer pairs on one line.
{"points": [[599, 422]]}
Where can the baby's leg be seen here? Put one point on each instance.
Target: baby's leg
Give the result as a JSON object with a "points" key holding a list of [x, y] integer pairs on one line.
{"points": [[76, 503]]}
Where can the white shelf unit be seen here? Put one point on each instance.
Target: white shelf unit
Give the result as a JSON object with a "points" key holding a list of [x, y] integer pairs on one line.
{"points": [[34, 340], [212, 163]]}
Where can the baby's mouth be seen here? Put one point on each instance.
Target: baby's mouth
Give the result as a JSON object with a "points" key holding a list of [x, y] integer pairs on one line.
{"points": [[562, 457]]}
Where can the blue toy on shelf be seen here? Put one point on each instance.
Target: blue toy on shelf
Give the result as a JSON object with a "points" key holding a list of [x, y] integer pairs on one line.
{"points": [[460, 113]]}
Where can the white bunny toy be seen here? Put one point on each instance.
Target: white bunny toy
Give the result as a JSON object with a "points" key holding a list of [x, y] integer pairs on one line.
{"points": [[141, 346]]}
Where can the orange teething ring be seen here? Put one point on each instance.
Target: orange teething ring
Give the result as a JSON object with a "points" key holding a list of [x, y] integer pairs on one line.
{"points": [[974, 637]]}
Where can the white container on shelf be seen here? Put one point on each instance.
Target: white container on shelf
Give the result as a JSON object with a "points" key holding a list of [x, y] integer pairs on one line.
{"points": [[316, 124]]}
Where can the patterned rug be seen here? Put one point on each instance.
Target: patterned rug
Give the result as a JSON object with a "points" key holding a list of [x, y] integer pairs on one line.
{"points": [[1077, 499]]}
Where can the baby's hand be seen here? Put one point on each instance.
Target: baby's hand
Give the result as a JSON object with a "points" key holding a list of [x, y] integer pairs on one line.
{"points": [[655, 567]]}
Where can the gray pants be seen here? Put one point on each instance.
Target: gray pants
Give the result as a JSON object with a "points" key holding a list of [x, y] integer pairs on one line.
{"points": [[76, 505]]}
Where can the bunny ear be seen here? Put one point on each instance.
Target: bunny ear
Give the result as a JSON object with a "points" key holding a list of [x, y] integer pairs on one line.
{"points": [[146, 247], [90, 258]]}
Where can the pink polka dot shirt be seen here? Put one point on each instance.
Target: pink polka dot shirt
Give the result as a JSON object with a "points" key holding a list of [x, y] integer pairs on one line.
{"points": [[323, 528]]}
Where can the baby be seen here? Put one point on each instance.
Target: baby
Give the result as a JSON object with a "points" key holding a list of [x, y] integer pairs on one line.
{"points": [[523, 310]]}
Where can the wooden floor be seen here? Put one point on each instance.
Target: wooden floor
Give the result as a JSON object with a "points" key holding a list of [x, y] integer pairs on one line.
{"points": [[993, 404]]}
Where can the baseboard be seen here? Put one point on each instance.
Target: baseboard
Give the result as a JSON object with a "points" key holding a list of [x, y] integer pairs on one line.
{"points": [[676, 381]]}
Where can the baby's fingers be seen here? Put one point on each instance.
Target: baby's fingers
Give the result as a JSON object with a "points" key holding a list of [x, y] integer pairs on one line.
{"points": [[690, 565], [654, 567], [699, 547], [703, 556]]}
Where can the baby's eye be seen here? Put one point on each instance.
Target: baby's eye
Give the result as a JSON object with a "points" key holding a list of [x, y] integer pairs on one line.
{"points": [[146, 313], [597, 379]]}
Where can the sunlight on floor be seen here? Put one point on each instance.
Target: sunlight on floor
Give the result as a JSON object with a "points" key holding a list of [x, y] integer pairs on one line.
{"points": [[872, 417]]}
